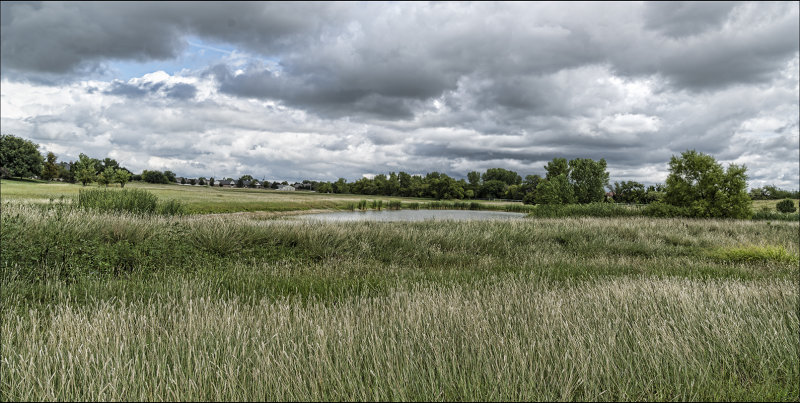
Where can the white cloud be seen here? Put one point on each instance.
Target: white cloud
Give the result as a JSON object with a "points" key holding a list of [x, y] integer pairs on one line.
{"points": [[630, 123]]}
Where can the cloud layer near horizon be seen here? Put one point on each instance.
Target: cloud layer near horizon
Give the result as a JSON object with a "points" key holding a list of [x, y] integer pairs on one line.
{"points": [[329, 90]]}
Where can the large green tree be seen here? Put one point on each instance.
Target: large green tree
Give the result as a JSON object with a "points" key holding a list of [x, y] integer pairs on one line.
{"points": [[493, 189], [529, 188], [154, 177], [629, 192], [555, 190], [698, 182], [122, 177], [106, 177], [85, 169], [341, 186], [581, 180], [50, 170], [501, 174], [19, 158], [589, 179], [558, 166]]}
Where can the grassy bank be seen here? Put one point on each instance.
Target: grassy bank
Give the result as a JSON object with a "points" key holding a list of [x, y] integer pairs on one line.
{"points": [[110, 306]]}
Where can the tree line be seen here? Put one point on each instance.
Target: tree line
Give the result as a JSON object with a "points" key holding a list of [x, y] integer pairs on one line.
{"points": [[697, 185], [580, 180]]}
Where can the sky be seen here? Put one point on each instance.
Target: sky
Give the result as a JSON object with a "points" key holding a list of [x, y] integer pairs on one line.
{"points": [[292, 91]]}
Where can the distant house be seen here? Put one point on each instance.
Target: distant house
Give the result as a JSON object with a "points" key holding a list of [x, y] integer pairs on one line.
{"points": [[253, 183], [180, 180], [225, 183], [287, 188]]}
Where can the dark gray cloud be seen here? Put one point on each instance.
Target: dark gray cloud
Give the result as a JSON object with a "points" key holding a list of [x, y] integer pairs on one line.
{"points": [[324, 97], [685, 18], [181, 91], [730, 44], [41, 39], [129, 90]]}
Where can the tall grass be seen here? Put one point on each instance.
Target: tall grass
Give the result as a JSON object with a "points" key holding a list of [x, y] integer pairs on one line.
{"points": [[110, 306], [585, 210], [80, 242], [775, 215], [515, 339], [135, 201], [755, 253]]}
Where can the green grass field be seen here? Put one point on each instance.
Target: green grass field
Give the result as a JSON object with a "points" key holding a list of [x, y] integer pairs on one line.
{"points": [[112, 306]]}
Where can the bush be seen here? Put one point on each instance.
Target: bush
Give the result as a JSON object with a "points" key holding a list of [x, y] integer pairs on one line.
{"points": [[663, 210], [786, 206]]}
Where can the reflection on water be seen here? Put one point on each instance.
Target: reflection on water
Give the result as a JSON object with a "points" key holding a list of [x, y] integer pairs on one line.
{"points": [[412, 215]]}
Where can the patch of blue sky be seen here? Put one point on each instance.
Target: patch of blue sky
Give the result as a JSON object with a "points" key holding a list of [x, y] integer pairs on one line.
{"points": [[197, 55]]}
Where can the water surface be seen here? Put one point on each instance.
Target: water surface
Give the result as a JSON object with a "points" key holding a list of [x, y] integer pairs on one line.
{"points": [[412, 215]]}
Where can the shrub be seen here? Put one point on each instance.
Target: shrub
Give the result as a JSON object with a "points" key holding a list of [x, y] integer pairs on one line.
{"points": [[786, 206], [663, 210]]}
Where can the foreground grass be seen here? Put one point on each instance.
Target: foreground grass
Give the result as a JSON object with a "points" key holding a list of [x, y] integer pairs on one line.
{"points": [[103, 306], [515, 339]]}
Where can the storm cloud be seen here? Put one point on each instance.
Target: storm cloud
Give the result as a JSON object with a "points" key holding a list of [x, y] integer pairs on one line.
{"points": [[328, 90]]}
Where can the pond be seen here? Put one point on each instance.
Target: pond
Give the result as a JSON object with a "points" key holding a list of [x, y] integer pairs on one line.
{"points": [[412, 215]]}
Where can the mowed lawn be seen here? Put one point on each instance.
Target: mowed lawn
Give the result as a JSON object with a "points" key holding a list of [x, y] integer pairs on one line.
{"points": [[205, 199]]}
